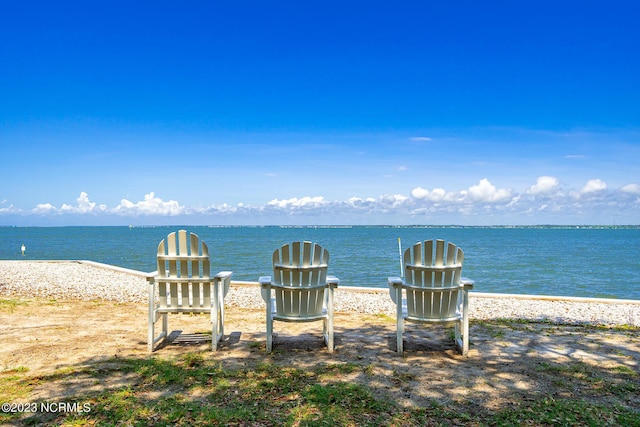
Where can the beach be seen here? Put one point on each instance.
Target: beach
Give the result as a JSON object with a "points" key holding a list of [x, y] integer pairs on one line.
{"points": [[70, 328], [85, 280]]}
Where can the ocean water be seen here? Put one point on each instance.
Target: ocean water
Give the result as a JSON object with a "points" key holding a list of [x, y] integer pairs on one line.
{"points": [[601, 262]]}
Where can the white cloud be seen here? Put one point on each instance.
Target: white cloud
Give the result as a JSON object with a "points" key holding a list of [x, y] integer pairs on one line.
{"points": [[358, 203], [631, 188], [480, 202], [8, 209], [83, 206], [44, 208], [593, 185], [295, 203], [514, 201], [420, 138], [484, 191], [435, 195], [543, 185], [420, 193], [393, 201], [151, 205]]}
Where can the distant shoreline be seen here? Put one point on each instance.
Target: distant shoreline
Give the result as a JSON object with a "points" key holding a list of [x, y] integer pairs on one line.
{"points": [[530, 226]]}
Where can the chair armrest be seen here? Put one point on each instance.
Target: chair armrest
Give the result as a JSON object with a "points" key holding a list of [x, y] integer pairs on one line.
{"points": [[265, 289], [333, 281], [264, 281], [223, 278], [395, 289], [151, 277], [223, 275], [395, 281], [467, 283]]}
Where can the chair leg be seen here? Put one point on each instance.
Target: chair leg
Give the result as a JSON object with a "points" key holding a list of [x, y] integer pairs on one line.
{"points": [[214, 329], [152, 318], [399, 322], [217, 319], [328, 333], [465, 323], [151, 332], [269, 329], [221, 324], [328, 321], [165, 324], [399, 335], [151, 338], [465, 334], [325, 335], [214, 314]]}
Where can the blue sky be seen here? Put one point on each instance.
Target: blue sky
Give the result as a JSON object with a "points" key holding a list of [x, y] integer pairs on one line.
{"points": [[461, 112]]}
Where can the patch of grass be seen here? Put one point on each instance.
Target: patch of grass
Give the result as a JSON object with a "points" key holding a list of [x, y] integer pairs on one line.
{"points": [[256, 344], [370, 369], [341, 368], [385, 317], [617, 381], [579, 371], [339, 403], [15, 387], [10, 304], [195, 389], [403, 377], [565, 412], [626, 371], [194, 360], [623, 328], [16, 370]]}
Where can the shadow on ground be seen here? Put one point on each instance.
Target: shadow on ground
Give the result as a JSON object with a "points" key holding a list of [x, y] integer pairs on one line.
{"points": [[84, 352]]}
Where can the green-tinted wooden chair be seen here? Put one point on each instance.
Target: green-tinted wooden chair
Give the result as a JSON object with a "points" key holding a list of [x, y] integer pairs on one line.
{"points": [[434, 291], [183, 284], [300, 290]]}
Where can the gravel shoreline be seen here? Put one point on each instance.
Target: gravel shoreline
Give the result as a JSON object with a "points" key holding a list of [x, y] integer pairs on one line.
{"points": [[86, 280]]}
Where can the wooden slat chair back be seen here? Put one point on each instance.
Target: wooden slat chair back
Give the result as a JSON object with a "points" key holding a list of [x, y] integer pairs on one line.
{"points": [[440, 275], [302, 272], [183, 284], [434, 288], [184, 274], [300, 289]]}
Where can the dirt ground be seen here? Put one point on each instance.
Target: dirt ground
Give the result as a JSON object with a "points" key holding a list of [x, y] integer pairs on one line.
{"points": [[505, 359]]}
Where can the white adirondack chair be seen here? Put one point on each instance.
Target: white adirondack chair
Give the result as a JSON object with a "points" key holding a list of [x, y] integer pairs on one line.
{"points": [[183, 284], [435, 291], [302, 291]]}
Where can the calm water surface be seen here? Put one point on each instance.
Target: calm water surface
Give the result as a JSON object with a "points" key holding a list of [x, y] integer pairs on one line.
{"points": [[571, 261]]}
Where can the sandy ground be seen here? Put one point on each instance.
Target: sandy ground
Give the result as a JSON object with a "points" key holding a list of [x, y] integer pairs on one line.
{"points": [[505, 359]]}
